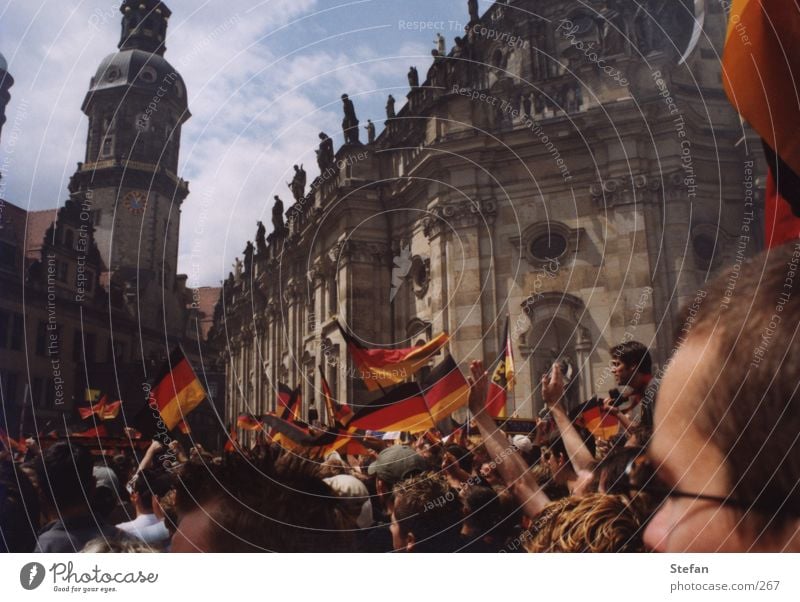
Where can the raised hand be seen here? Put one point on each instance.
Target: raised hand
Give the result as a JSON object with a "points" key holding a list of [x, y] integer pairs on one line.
{"points": [[478, 386], [553, 387]]}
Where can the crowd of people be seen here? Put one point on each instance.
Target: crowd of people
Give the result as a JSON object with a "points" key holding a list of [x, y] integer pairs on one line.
{"points": [[706, 459]]}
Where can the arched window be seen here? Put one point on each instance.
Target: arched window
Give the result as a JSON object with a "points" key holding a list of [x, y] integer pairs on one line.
{"points": [[559, 332]]}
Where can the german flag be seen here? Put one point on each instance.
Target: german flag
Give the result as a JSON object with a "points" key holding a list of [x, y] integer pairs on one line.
{"points": [[299, 437], [184, 428], [761, 69], [445, 390], [338, 414], [290, 402], [178, 391], [383, 368], [247, 422], [502, 378], [597, 420], [403, 408]]}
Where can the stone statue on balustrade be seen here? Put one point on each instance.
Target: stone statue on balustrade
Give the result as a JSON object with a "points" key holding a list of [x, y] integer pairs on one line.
{"points": [[325, 155], [350, 121]]}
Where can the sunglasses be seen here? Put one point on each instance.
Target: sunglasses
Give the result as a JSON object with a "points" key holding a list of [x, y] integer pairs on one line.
{"points": [[643, 478]]}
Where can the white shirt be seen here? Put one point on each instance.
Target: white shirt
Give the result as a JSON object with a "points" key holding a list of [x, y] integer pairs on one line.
{"points": [[139, 523]]}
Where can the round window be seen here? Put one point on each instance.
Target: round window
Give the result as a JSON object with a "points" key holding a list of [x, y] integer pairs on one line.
{"points": [[112, 73], [704, 245], [549, 246], [148, 75]]}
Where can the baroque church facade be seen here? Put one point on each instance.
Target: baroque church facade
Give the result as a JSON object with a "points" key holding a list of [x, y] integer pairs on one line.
{"points": [[91, 297], [558, 165]]}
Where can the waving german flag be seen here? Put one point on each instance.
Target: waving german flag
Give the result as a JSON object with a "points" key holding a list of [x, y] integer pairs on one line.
{"points": [[383, 368], [445, 390], [761, 72], [502, 378], [178, 391], [403, 408]]}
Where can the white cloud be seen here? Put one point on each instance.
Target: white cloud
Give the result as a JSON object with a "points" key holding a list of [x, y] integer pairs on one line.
{"points": [[258, 98]]}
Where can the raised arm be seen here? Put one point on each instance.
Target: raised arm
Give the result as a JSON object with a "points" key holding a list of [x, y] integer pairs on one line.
{"points": [[512, 468], [553, 395]]}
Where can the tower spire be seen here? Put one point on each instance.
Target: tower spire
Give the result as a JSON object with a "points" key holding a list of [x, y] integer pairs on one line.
{"points": [[144, 25]]}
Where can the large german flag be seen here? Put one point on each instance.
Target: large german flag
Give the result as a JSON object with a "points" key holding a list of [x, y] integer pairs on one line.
{"points": [[502, 378], [383, 368], [445, 390], [178, 391], [761, 74], [403, 408]]}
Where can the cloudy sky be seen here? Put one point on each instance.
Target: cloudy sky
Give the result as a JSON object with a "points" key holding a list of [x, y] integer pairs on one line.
{"points": [[264, 77]]}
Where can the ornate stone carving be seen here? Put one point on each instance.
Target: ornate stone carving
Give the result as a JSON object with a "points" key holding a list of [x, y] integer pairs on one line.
{"points": [[614, 192], [462, 214]]}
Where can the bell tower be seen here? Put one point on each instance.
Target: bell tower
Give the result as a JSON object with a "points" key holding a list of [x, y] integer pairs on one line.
{"points": [[136, 105]]}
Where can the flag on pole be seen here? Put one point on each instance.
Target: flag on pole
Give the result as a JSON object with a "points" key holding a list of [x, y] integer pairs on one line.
{"points": [[177, 391], [383, 368], [338, 414], [502, 378]]}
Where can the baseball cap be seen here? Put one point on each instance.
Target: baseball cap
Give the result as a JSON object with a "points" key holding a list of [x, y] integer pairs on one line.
{"points": [[522, 443], [397, 463]]}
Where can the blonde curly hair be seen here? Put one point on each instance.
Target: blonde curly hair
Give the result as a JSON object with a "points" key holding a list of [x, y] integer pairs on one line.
{"points": [[593, 523]]}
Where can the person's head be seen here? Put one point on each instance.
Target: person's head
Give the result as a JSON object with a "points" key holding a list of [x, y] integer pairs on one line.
{"points": [[558, 461], [65, 477], [612, 470], [426, 511], [590, 523], [725, 446], [629, 361], [356, 504], [127, 545], [462, 456], [394, 464], [19, 509], [142, 496], [106, 493], [255, 505], [482, 513]]}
